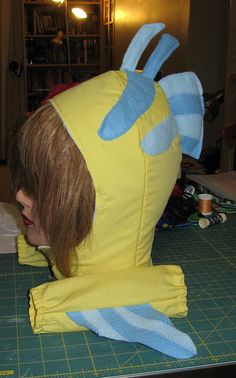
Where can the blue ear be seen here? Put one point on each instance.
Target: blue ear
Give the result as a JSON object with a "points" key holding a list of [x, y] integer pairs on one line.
{"points": [[139, 44], [160, 54], [135, 100]]}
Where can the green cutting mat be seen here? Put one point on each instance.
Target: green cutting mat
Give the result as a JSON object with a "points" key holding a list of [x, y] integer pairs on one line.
{"points": [[208, 258]]}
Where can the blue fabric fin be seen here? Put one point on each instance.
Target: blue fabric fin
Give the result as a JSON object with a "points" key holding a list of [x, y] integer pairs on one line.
{"points": [[160, 54], [184, 95], [139, 44], [159, 139], [141, 324], [136, 98]]}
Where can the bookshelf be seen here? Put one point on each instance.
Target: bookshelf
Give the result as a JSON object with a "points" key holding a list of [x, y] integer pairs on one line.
{"points": [[108, 16], [58, 47]]}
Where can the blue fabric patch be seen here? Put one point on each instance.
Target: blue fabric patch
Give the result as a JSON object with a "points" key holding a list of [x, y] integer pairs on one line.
{"points": [[136, 98], [159, 139], [139, 44], [186, 103], [160, 54], [190, 124], [149, 312], [141, 324]]}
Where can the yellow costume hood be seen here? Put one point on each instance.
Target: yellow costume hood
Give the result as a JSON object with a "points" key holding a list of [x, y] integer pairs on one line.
{"points": [[131, 132]]}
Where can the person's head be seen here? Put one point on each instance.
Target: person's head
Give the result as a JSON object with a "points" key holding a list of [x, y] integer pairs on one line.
{"points": [[52, 184]]}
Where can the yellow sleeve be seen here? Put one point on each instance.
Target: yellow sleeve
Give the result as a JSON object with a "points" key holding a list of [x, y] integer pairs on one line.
{"points": [[162, 286], [29, 255]]}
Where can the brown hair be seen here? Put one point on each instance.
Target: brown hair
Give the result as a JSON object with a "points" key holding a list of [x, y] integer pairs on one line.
{"points": [[48, 165]]}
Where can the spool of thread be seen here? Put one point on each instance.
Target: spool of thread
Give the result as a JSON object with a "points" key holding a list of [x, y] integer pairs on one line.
{"points": [[189, 191], [205, 204], [209, 221]]}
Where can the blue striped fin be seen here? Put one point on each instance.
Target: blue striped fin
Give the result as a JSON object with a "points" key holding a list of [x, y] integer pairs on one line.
{"points": [[141, 324], [184, 94], [160, 54], [136, 98], [139, 44], [159, 139]]}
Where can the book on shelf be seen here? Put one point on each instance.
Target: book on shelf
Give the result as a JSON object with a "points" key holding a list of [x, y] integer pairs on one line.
{"points": [[84, 51], [39, 84], [45, 52], [90, 25], [41, 81], [39, 21]]}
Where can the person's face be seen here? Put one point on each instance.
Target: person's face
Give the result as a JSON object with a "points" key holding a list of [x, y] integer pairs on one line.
{"points": [[35, 233]]}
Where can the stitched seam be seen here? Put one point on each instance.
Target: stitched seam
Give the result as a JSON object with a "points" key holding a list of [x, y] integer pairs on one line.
{"points": [[144, 192]]}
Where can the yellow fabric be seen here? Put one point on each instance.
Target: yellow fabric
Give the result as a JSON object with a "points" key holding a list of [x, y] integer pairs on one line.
{"points": [[162, 286], [28, 255], [113, 267]]}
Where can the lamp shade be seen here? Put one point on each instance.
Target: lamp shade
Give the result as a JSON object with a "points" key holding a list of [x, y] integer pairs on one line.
{"points": [[79, 13], [58, 1]]}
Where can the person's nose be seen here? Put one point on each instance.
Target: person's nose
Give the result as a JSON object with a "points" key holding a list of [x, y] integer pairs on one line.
{"points": [[23, 199]]}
